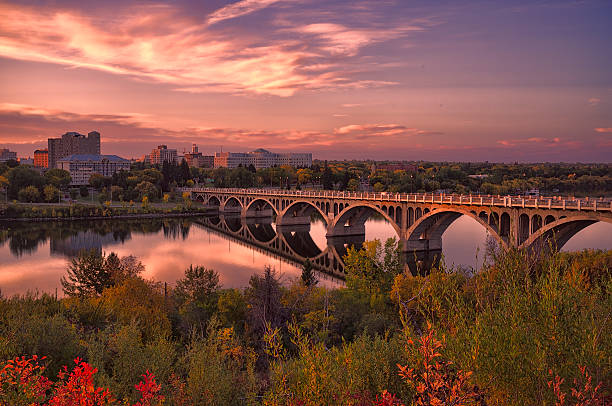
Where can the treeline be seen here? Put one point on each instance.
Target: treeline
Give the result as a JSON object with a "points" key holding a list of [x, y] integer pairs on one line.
{"points": [[419, 177], [158, 183], [525, 329], [28, 185]]}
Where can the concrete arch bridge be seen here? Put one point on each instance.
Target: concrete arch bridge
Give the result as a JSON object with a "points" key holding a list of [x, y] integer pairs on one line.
{"points": [[419, 220]]}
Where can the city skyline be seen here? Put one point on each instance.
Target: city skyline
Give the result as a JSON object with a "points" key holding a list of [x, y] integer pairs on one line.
{"points": [[387, 80]]}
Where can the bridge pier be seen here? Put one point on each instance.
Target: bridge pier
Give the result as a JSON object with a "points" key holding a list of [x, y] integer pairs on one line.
{"points": [[293, 228], [291, 221], [421, 245], [341, 231], [266, 213], [231, 209]]}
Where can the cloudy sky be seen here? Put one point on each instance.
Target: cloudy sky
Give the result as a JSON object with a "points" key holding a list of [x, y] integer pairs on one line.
{"points": [[382, 79]]}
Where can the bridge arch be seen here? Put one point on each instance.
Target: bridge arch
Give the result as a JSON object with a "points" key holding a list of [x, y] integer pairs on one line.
{"points": [[352, 219], [213, 201], [561, 231], [233, 224], [262, 232], [431, 226], [299, 209], [260, 204]]}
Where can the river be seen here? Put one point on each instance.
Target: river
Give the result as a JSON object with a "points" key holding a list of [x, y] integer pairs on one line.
{"points": [[33, 257]]}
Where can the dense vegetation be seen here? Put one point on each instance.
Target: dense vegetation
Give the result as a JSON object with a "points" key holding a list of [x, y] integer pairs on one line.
{"points": [[525, 329], [486, 178], [159, 183]]}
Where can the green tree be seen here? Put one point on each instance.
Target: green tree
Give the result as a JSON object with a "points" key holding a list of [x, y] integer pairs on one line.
{"points": [[20, 178], [87, 275], [147, 189], [51, 193], [379, 187], [29, 194], [58, 178], [373, 268], [327, 179], [98, 181], [353, 185], [308, 276], [197, 294]]}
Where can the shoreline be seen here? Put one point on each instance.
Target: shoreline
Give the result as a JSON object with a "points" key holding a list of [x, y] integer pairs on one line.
{"points": [[108, 217]]}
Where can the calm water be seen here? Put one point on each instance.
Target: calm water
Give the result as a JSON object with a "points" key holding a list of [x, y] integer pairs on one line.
{"points": [[35, 256]]}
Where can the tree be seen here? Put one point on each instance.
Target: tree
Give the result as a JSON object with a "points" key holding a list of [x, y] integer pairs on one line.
{"points": [[327, 179], [20, 178], [51, 193], [264, 301], [84, 191], [116, 193], [353, 185], [197, 294], [373, 268], [308, 276], [98, 181], [58, 178], [29, 194], [87, 275], [147, 189]]}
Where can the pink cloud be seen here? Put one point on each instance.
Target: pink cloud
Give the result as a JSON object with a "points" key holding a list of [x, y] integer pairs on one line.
{"points": [[604, 130], [380, 130], [31, 126], [158, 43], [238, 9], [594, 101]]}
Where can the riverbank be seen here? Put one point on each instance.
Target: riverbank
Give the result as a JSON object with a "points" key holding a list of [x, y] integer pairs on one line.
{"points": [[75, 212]]}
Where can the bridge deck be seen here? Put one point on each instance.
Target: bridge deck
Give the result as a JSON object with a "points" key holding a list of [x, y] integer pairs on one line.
{"points": [[557, 203]]}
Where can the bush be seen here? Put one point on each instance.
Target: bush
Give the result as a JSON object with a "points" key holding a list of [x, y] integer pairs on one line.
{"points": [[29, 194]]}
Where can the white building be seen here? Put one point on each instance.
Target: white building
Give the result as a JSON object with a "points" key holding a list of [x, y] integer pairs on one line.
{"points": [[261, 158], [81, 167]]}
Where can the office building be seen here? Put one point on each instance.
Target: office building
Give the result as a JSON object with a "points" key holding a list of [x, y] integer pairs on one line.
{"points": [[41, 158], [195, 158], [7, 155], [82, 166], [162, 154], [72, 143], [261, 158]]}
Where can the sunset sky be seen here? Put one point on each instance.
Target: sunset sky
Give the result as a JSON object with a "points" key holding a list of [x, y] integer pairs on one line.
{"points": [[382, 79]]}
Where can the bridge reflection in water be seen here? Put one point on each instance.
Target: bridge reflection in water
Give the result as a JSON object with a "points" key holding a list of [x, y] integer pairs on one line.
{"points": [[295, 243]]}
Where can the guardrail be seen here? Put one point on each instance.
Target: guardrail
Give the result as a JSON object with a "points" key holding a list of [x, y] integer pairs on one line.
{"points": [[557, 203]]}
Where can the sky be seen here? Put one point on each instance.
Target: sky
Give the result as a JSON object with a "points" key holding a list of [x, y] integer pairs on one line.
{"points": [[456, 80]]}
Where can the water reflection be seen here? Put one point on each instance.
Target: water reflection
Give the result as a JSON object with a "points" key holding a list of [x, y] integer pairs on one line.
{"points": [[33, 256]]}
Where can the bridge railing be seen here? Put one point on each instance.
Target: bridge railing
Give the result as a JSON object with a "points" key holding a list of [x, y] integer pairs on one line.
{"points": [[586, 204]]}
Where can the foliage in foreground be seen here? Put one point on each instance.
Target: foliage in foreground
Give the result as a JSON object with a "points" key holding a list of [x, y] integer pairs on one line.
{"points": [[524, 330]]}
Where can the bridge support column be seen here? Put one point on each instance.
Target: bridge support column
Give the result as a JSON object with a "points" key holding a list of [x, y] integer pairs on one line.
{"points": [[340, 231], [266, 213], [287, 220], [421, 245], [231, 209]]}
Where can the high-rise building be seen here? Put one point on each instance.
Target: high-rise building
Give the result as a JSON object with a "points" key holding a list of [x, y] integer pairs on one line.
{"points": [[41, 158], [195, 158], [261, 158], [7, 155], [82, 166], [72, 143], [162, 154]]}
